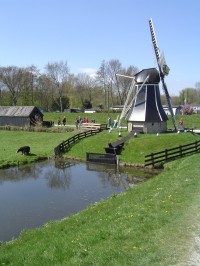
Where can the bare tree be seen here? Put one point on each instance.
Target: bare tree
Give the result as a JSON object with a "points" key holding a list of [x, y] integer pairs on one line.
{"points": [[189, 96], [123, 84], [115, 88], [11, 79], [45, 92], [102, 78], [85, 87], [29, 81], [58, 72]]}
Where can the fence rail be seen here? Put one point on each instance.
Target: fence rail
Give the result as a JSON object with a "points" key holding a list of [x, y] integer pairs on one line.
{"points": [[65, 145], [171, 154]]}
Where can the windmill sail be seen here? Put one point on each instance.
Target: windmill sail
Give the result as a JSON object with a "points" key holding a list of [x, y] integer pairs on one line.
{"points": [[164, 70]]}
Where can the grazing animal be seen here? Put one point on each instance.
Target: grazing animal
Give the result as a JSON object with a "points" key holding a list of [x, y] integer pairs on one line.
{"points": [[24, 150]]}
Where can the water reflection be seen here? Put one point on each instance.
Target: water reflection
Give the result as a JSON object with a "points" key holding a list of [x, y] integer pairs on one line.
{"points": [[35, 194]]}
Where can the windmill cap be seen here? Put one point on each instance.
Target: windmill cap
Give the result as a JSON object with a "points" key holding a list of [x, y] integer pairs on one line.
{"points": [[153, 74]]}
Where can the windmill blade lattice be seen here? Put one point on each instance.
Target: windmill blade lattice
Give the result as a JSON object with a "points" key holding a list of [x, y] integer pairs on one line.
{"points": [[164, 70]]}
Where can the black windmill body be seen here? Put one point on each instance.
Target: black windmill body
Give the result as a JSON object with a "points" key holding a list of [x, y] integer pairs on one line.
{"points": [[147, 114]]}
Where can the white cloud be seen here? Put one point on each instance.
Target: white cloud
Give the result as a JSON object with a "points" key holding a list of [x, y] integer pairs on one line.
{"points": [[89, 71]]}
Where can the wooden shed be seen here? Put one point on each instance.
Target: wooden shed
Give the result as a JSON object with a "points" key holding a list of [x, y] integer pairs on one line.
{"points": [[20, 116]]}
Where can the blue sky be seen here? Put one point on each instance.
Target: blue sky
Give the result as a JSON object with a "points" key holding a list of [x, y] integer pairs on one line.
{"points": [[86, 32]]}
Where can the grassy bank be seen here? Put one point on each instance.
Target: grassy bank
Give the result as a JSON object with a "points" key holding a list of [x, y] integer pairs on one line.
{"points": [[152, 224], [135, 149], [42, 146]]}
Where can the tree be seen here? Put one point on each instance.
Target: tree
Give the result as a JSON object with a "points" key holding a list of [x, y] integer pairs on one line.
{"points": [[189, 96], [102, 79], [45, 93], [29, 83], [56, 103], [86, 104], [58, 73], [187, 109], [123, 84], [11, 79], [115, 88], [85, 87]]}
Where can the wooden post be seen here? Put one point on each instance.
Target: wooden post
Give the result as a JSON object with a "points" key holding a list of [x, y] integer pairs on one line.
{"points": [[152, 159], [166, 154], [180, 150], [196, 146]]}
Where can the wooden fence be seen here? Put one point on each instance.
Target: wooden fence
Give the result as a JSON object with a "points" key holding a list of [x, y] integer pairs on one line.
{"points": [[65, 145], [171, 154]]}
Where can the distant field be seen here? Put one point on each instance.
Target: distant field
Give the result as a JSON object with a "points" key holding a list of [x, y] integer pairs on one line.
{"points": [[190, 121], [43, 143]]}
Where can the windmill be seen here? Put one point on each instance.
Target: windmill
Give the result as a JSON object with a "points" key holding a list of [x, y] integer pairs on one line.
{"points": [[164, 71], [143, 110], [129, 101]]}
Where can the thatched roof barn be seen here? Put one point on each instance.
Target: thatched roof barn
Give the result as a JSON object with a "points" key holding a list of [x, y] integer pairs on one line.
{"points": [[20, 116]]}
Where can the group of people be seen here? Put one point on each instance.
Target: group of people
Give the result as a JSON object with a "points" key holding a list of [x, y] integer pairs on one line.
{"points": [[79, 121]]}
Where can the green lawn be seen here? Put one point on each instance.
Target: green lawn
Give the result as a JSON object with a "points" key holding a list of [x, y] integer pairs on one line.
{"points": [[152, 224], [190, 121], [135, 149], [42, 146]]}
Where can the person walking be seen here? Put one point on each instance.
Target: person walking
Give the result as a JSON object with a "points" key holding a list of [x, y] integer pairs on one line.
{"points": [[77, 123], [64, 121], [181, 124], [109, 122]]}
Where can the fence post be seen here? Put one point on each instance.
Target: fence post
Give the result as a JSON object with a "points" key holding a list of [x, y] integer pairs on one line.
{"points": [[180, 150], [196, 145], [152, 159], [166, 154]]}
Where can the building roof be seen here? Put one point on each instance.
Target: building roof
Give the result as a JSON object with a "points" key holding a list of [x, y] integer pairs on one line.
{"points": [[23, 111], [152, 73]]}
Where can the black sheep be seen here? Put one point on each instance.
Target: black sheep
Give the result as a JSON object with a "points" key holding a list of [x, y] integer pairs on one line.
{"points": [[25, 150]]}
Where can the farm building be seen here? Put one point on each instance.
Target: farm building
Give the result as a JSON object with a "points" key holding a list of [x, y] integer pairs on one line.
{"points": [[177, 110], [20, 116]]}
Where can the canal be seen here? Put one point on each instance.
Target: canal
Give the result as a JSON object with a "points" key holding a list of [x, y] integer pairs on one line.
{"points": [[34, 194]]}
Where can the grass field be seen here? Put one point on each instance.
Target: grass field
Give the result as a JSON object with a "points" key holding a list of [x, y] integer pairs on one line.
{"points": [[42, 146], [190, 121], [151, 225], [154, 224]]}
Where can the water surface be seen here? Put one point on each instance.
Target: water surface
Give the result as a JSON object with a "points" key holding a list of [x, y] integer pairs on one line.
{"points": [[35, 194]]}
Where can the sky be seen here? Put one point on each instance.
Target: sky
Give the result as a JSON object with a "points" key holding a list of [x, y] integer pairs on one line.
{"points": [[83, 33]]}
